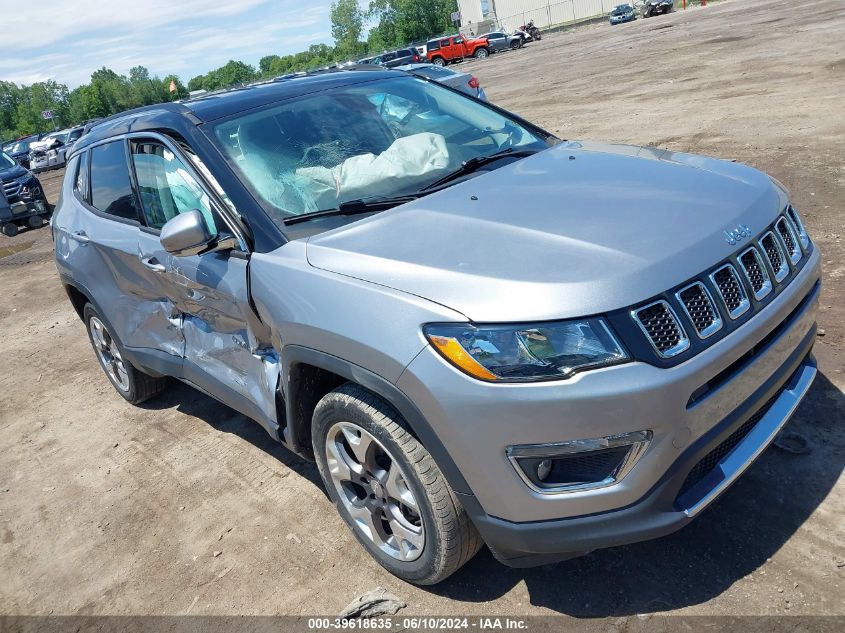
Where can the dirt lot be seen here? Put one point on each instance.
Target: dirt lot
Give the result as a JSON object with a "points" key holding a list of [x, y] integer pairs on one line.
{"points": [[110, 509]]}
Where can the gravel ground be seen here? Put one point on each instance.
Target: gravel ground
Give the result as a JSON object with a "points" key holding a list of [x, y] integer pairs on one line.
{"points": [[111, 509]]}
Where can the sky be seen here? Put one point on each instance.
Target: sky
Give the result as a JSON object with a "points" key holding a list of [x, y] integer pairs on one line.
{"points": [[66, 40]]}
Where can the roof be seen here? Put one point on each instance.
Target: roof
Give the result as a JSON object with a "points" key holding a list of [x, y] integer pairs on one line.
{"points": [[213, 106]]}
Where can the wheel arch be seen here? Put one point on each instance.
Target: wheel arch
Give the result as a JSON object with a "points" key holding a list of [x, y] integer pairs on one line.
{"points": [[310, 374]]}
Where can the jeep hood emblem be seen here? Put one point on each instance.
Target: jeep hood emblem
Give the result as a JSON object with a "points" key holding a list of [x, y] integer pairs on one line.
{"points": [[737, 235]]}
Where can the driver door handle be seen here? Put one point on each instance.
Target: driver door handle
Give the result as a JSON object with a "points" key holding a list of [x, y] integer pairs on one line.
{"points": [[153, 264]]}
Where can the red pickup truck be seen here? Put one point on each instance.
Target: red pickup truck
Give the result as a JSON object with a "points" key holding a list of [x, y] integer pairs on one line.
{"points": [[444, 50]]}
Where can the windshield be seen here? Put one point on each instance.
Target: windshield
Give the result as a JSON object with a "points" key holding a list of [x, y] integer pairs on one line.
{"points": [[21, 146], [379, 139], [6, 162], [621, 9]]}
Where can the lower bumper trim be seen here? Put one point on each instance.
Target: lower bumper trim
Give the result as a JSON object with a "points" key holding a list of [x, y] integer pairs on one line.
{"points": [[750, 448]]}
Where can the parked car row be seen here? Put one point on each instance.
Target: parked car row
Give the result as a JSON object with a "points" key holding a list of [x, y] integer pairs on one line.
{"points": [[452, 48], [39, 152], [628, 12]]}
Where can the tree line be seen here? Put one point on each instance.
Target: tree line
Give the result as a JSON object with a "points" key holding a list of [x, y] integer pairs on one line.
{"points": [[395, 23]]}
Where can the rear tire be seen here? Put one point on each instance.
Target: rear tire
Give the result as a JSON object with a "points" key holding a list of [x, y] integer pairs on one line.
{"points": [[131, 383], [35, 222], [10, 229], [388, 489], [438, 61]]}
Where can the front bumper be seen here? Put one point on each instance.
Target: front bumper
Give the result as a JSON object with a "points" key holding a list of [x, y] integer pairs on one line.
{"points": [[478, 421], [662, 511]]}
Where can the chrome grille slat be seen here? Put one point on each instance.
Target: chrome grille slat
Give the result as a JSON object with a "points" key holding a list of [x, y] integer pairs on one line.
{"points": [[789, 239], [11, 188], [792, 214], [755, 272], [662, 328], [698, 305], [730, 290], [775, 255]]}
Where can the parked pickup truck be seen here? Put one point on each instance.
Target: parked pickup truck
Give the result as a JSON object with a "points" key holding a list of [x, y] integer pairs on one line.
{"points": [[445, 50]]}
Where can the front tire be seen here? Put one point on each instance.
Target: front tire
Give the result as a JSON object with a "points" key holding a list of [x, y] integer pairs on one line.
{"points": [[481, 53], [10, 230], [388, 489], [130, 382]]}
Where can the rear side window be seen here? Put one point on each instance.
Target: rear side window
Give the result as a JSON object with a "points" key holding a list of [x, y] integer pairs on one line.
{"points": [[111, 191], [432, 46], [81, 184]]}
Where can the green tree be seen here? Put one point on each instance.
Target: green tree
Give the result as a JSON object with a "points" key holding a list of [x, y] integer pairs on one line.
{"points": [[347, 25], [181, 90], [266, 63], [196, 83], [399, 22]]}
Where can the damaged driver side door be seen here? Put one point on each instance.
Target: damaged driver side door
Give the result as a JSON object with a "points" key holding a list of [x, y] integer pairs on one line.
{"points": [[227, 350]]}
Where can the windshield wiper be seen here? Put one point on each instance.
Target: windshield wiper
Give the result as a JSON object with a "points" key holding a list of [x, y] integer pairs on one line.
{"points": [[353, 207], [474, 164]]}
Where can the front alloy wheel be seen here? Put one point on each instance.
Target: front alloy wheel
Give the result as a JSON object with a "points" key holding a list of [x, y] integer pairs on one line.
{"points": [[374, 491], [388, 489]]}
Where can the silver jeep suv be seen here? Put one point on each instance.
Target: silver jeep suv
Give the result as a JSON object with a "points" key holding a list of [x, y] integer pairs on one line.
{"points": [[481, 333]]}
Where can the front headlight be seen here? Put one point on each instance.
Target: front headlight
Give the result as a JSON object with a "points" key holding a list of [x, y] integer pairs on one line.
{"points": [[527, 352]]}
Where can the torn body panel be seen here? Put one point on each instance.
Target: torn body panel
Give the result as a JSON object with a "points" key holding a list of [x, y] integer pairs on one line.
{"points": [[224, 341]]}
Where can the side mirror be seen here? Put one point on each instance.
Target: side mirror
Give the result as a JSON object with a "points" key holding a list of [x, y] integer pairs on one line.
{"points": [[186, 234]]}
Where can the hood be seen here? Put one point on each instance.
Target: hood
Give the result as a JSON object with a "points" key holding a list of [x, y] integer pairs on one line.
{"points": [[12, 172], [578, 229]]}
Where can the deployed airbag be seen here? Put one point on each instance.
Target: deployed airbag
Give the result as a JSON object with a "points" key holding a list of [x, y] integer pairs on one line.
{"points": [[408, 160]]}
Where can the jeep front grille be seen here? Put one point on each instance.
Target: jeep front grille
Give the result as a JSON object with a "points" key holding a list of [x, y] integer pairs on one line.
{"points": [[660, 324], [700, 309], [737, 287], [730, 290], [755, 272], [775, 256]]}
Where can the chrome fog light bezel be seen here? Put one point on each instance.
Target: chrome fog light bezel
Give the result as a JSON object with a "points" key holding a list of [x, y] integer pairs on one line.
{"points": [[637, 442]]}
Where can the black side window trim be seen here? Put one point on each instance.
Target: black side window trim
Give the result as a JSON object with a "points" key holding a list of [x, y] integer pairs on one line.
{"points": [[86, 202]]}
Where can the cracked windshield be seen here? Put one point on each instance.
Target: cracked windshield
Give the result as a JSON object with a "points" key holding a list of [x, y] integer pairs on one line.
{"points": [[381, 139]]}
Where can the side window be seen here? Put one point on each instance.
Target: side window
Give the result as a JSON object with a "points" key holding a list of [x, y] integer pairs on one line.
{"points": [[167, 187], [111, 191], [444, 43], [81, 184], [457, 40], [433, 46]]}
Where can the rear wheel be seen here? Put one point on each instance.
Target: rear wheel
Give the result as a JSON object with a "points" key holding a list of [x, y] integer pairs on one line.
{"points": [[132, 384], [35, 221], [10, 229], [387, 488], [438, 61]]}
